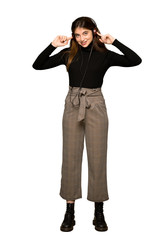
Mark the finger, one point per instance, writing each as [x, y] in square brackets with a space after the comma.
[68, 38]
[100, 40]
[99, 34]
[61, 38]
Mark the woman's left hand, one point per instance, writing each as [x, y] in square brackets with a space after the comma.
[107, 38]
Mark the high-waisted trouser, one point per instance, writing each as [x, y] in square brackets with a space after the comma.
[85, 115]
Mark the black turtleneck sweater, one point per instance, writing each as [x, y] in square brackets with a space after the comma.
[99, 63]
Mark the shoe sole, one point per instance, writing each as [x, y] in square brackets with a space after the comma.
[68, 229]
[98, 228]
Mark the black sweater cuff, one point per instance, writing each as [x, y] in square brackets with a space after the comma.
[52, 47]
[115, 42]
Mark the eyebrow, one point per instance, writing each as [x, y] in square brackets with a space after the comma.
[83, 32]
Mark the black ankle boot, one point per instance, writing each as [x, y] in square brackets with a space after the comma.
[68, 222]
[99, 220]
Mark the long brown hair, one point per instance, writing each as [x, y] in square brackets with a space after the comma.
[89, 23]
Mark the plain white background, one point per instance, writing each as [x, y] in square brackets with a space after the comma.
[31, 109]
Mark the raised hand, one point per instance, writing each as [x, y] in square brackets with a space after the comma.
[107, 38]
[61, 40]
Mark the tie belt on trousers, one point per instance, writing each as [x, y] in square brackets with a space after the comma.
[81, 100]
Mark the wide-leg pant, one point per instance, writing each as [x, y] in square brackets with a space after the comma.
[87, 120]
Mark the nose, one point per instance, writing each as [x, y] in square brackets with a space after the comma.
[82, 38]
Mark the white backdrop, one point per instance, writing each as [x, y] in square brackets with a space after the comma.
[31, 109]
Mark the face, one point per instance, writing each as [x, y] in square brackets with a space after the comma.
[83, 36]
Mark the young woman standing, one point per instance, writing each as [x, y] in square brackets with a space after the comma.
[85, 112]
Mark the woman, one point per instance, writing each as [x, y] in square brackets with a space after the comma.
[85, 113]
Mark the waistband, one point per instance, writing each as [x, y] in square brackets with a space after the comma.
[81, 100]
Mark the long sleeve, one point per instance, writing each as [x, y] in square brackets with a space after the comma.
[129, 59]
[45, 61]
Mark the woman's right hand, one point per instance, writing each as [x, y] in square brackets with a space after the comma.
[61, 40]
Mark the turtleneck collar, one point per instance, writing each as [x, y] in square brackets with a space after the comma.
[88, 48]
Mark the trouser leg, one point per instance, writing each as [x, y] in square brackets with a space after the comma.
[73, 144]
[96, 135]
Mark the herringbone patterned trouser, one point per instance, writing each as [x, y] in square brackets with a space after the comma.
[85, 115]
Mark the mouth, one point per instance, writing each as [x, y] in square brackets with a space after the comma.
[84, 43]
